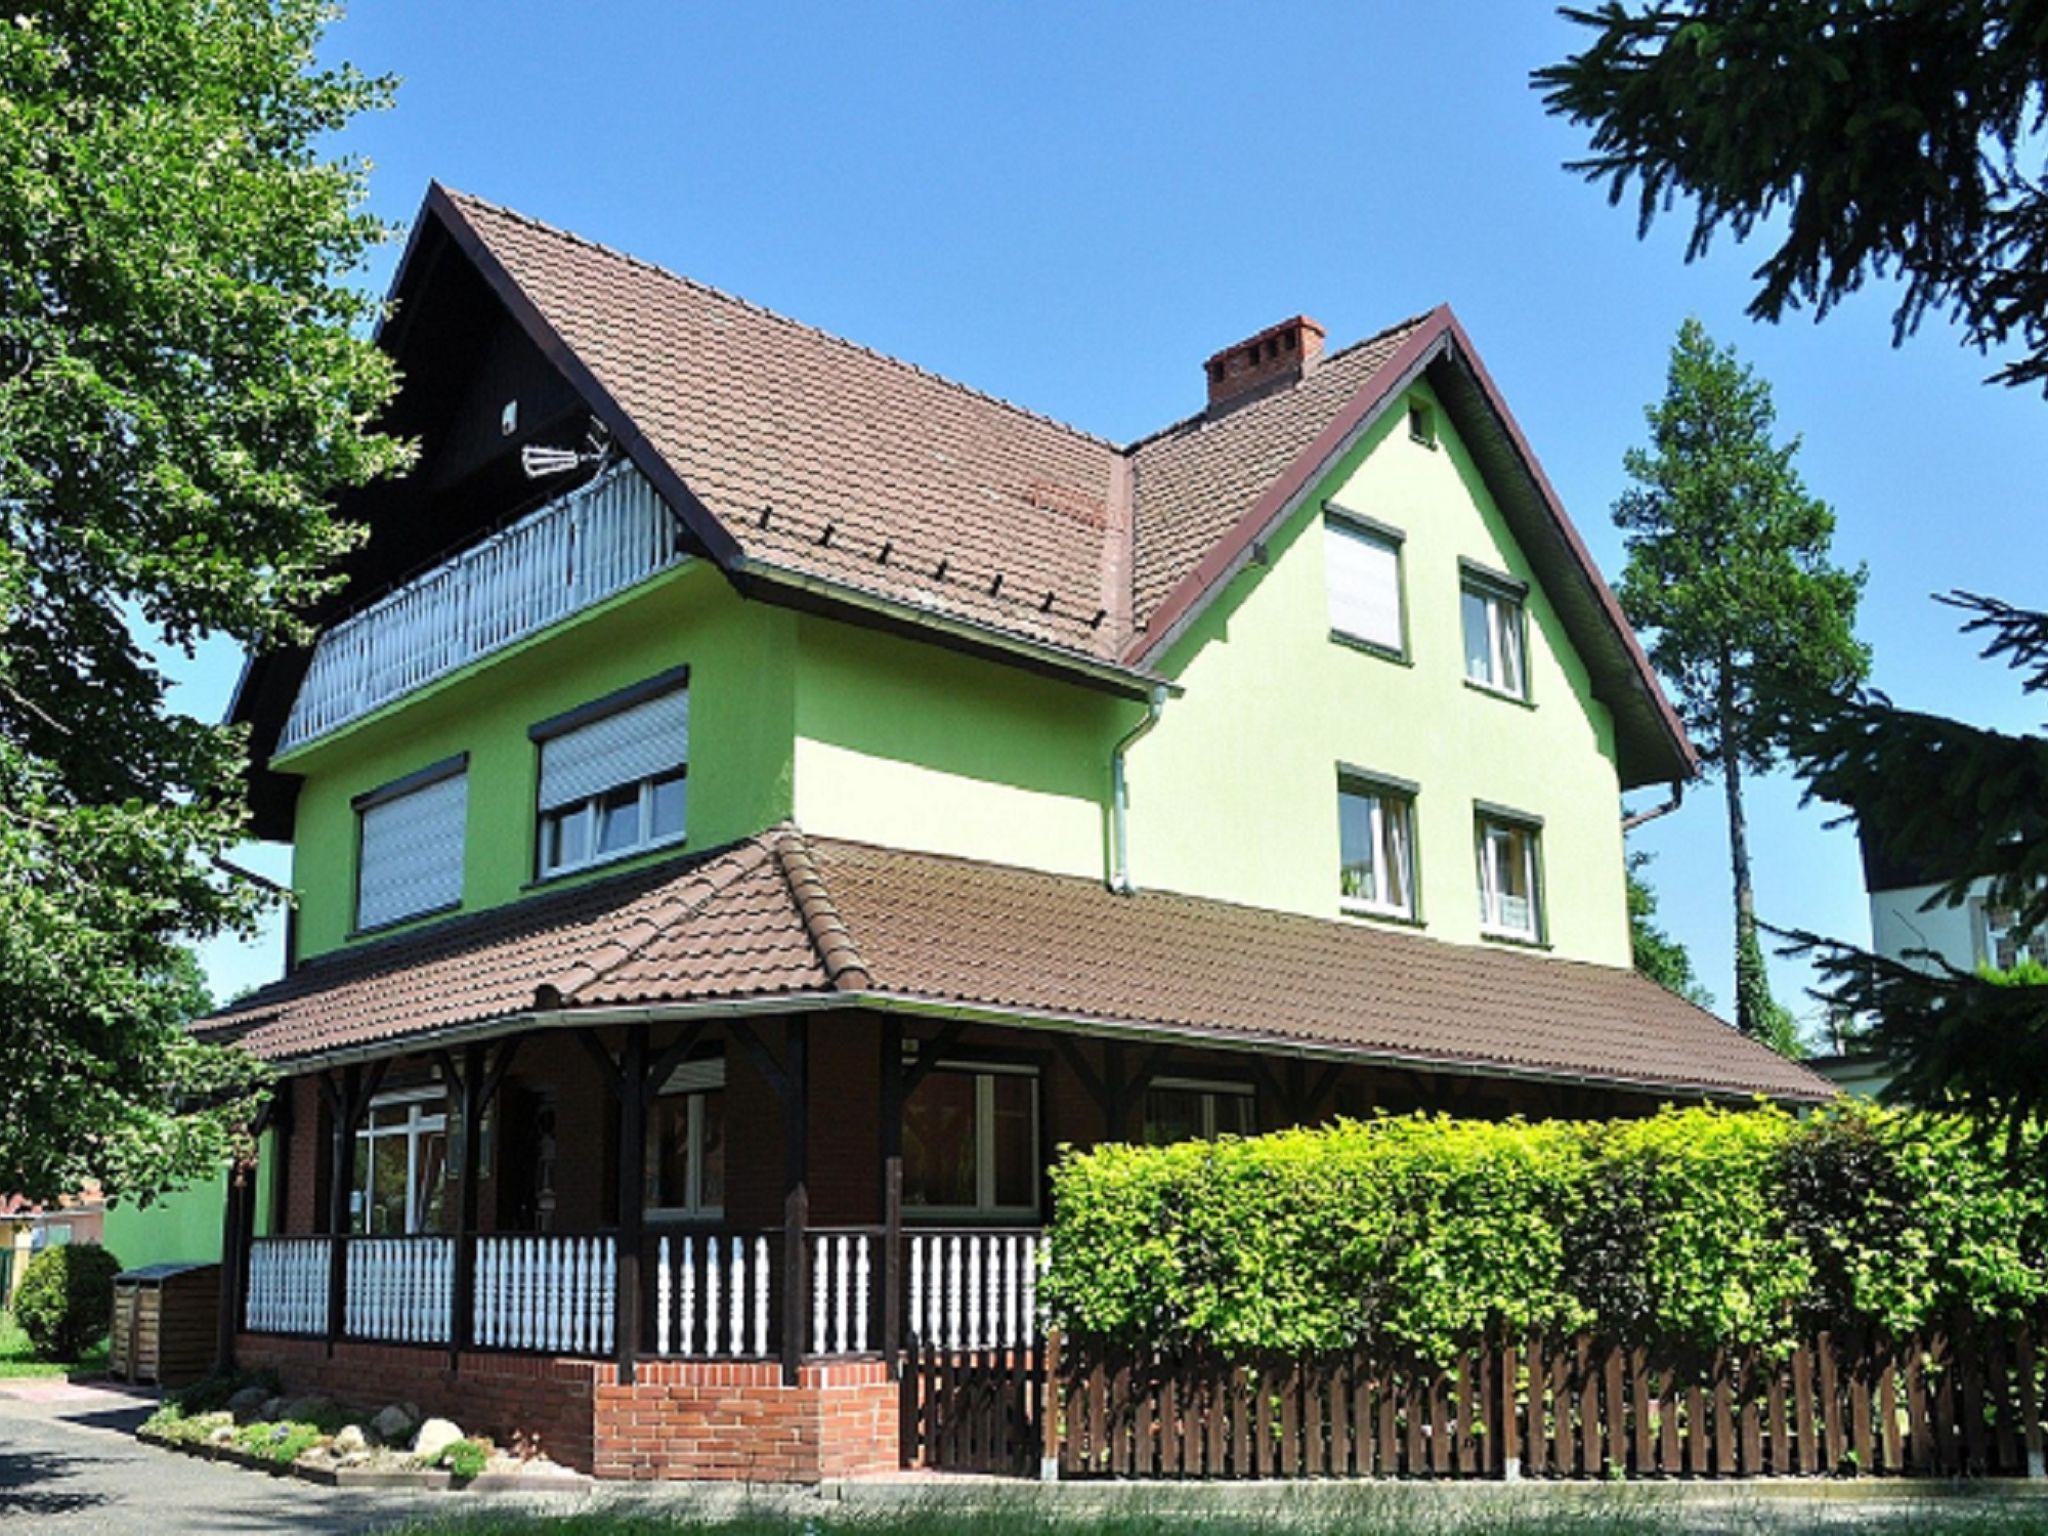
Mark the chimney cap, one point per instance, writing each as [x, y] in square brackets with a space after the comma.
[1301, 325]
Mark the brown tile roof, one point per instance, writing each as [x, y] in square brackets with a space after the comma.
[787, 914]
[986, 510]
[1193, 481]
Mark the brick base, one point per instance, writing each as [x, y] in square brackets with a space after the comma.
[678, 1418]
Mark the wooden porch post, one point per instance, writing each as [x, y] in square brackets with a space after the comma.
[892, 1192]
[233, 1223]
[344, 1105]
[632, 1197]
[467, 1091]
[796, 1196]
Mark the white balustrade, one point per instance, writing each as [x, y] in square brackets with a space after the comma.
[973, 1290]
[551, 1294]
[842, 1303]
[711, 1296]
[574, 552]
[398, 1288]
[288, 1281]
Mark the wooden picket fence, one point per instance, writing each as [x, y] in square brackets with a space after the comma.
[1958, 1404]
[974, 1410]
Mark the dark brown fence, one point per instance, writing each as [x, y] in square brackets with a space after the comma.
[973, 1410]
[1965, 1403]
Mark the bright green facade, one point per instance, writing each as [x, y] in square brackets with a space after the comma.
[884, 737]
[184, 1227]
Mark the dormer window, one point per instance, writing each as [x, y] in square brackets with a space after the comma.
[614, 776]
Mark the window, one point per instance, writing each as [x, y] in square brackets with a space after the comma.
[409, 845]
[1998, 939]
[1181, 1109]
[1509, 902]
[1376, 840]
[401, 1172]
[686, 1141]
[614, 776]
[970, 1142]
[1494, 649]
[1362, 567]
[1422, 424]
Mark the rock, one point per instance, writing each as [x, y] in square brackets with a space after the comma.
[393, 1425]
[221, 1434]
[351, 1440]
[308, 1409]
[435, 1436]
[245, 1404]
[272, 1409]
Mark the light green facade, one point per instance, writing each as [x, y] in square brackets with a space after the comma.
[742, 668]
[892, 739]
[183, 1227]
[1234, 794]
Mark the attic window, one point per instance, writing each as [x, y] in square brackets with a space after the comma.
[1422, 424]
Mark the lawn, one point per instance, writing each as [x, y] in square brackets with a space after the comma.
[17, 1359]
[1398, 1512]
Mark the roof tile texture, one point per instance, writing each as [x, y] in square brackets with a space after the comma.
[755, 921]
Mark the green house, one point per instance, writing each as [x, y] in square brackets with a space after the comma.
[755, 800]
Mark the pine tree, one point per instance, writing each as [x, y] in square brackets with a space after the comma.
[1729, 573]
[1924, 788]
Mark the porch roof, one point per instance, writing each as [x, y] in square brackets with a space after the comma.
[788, 919]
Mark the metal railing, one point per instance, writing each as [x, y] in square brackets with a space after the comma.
[574, 552]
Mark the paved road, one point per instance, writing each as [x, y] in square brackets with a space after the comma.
[69, 1465]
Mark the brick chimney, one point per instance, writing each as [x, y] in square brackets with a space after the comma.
[1274, 358]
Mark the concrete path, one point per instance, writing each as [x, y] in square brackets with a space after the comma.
[69, 1465]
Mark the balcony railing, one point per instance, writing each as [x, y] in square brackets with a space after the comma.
[574, 552]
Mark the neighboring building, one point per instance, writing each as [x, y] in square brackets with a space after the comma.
[1912, 923]
[755, 796]
[27, 1228]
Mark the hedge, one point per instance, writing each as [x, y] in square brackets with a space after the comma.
[1693, 1228]
[66, 1299]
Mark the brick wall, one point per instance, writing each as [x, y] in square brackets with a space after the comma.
[678, 1419]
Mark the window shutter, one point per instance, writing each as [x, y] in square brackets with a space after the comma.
[411, 858]
[634, 744]
[1365, 584]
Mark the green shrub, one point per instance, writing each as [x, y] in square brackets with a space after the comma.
[66, 1298]
[281, 1444]
[1692, 1228]
[212, 1392]
[465, 1458]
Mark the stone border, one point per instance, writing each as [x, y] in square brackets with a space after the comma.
[426, 1479]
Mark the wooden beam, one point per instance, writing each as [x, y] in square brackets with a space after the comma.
[607, 1068]
[778, 1077]
[1069, 1051]
[891, 1137]
[632, 1198]
[796, 1198]
[665, 1064]
[471, 1077]
[929, 1052]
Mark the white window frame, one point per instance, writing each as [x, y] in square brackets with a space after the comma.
[1341, 524]
[586, 810]
[694, 1207]
[984, 1074]
[1987, 936]
[1507, 628]
[417, 1126]
[1380, 792]
[1489, 825]
[1211, 1089]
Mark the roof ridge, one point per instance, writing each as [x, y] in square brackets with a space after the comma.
[698, 888]
[728, 297]
[827, 930]
[1202, 418]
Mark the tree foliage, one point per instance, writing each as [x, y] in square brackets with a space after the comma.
[1870, 140]
[1658, 955]
[185, 380]
[1698, 1228]
[1729, 572]
[1934, 792]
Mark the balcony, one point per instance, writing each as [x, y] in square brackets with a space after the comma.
[574, 552]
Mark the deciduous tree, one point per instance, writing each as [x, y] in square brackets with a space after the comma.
[185, 381]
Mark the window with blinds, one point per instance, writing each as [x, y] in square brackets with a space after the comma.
[1363, 567]
[613, 778]
[410, 856]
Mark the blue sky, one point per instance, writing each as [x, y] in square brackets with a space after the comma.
[1073, 206]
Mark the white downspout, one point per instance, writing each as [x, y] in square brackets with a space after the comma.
[1120, 797]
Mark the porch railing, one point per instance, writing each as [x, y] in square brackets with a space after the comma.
[288, 1283]
[399, 1288]
[705, 1294]
[574, 552]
